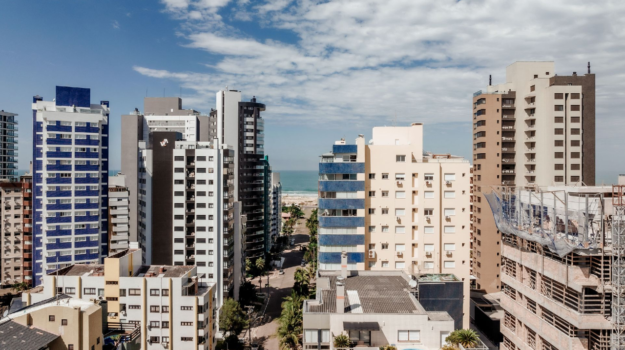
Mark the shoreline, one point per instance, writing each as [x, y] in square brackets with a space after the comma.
[302, 199]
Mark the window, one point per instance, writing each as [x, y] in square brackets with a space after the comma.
[70, 346]
[165, 292]
[558, 143]
[384, 176]
[575, 119]
[155, 324]
[165, 309]
[575, 166]
[400, 177]
[400, 212]
[558, 120]
[450, 212]
[400, 265]
[384, 228]
[400, 247]
[89, 291]
[428, 264]
[186, 338]
[558, 96]
[311, 336]
[429, 177]
[559, 155]
[559, 167]
[428, 229]
[400, 194]
[400, 229]
[134, 291]
[450, 229]
[428, 247]
[575, 155]
[155, 308]
[384, 193]
[558, 178]
[371, 193]
[429, 194]
[450, 247]
[371, 211]
[428, 211]
[400, 158]
[558, 108]
[165, 324]
[575, 131]
[51, 318]
[384, 211]
[450, 194]
[450, 177]
[575, 108]
[186, 308]
[154, 292]
[70, 290]
[186, 324]
[574, 178]
[408, 336]
[559, 131]
[372, 229]
[371, 176]
[384, 263]
[450, 264]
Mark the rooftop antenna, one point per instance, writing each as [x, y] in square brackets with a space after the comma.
[490, 80]
[589, 67]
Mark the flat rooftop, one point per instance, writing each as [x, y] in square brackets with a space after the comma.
[144, 271]
[437, 277]
[383, 294]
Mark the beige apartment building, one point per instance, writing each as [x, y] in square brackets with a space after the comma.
[16, 255]
[536, 129]
[390, 206]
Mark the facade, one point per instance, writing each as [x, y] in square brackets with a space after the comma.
[275, 218]
[559, 272]
[118, 214]
[240, 124]
[8, 146]
[73, 323]
[16, 255]
[393, 315]
[538, 128]
[389, 206]
[70, 153]
[183, 182]
[173, 306]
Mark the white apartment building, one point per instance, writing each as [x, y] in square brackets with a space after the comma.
[275, 198]
[391, 206]
[70, 180]
[119, 197]
[173, 306]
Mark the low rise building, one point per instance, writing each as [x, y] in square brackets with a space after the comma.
[173, 306]
[378, 308]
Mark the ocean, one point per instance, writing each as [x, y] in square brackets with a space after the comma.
[294, 183]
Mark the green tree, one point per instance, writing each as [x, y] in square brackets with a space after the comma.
[301, 282]
[19, 287]
[247, 293]
[465, 337]
[232, 318]
[248, 265]
[260, 265]
[290, 327]
[341, 341]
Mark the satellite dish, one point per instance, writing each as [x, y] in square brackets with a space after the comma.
[412, 283]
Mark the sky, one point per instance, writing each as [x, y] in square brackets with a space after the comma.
[325, 69]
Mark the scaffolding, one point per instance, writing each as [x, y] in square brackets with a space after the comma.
[617, 339]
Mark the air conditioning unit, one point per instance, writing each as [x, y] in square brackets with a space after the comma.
[448, 183]
[371, 253]
[428, 253]
[427, 218]
[449, 252]
[447, 217]
[429, 183]
[398, 218]
[399, 253]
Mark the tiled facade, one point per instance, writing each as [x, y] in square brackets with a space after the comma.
[16, 253]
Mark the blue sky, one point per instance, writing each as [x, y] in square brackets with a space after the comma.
[325, 69]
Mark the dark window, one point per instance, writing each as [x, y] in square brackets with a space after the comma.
[122, 292]
[70, 290]
[201, 158]
[179, 193]
[178, 228]
[559, 155]
[165, 324]
[51, 318]
[154, 308]
[574, 119]
[559, 119]
[179, 158]
[558, 179]
[575, 166]
[134, 291]
[179, 170]
[178, 252]
[179, 217]
[70, 346]
[575, 143]
[558, 96]
[575, 155]
[154, 339]
[201, 170]
[63, 322]
[89, 291]
[558, 108]
[97, 340]
[165, 309]
[559, 166]
[533, 88]
[575, 108]
[559, 131]
[575, 131]
[575, 96]
[165, 292]
[559, 143]
[574, 178]
[178, 240]
[154, 292]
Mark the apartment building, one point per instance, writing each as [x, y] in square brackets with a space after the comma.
[70, 153]
[62, 323]
[8, 145]
[537, 128]
[561, 279]
[390, 206]
[16, 255]
[173, 306]
[241, 125]
[275, 198]
[406, 311]
[118, 214]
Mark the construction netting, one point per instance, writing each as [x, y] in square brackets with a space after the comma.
[563, 219]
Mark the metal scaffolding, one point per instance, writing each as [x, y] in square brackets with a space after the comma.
[618, 268]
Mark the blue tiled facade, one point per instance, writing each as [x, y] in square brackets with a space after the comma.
[351, 209]
[55, 169]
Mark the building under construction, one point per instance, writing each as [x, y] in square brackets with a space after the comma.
[562, 267]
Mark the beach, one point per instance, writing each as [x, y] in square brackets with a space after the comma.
[303, 200]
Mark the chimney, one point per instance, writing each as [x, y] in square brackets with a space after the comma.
[344, 265]
[588, 67]
[340, 295]
[574, 74]
[161, 270]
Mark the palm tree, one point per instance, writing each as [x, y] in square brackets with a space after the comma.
[19, 287]
[341, 341]
[468, 338]
[290, 327]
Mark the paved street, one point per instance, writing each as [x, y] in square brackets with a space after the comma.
[280, 286]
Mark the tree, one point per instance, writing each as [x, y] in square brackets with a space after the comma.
[290, 327]
[260, 265]
[248, 265]
[341, 341]
[19, 287]
[468, 338]
[247, 293]
[301, 282]
[232, 318]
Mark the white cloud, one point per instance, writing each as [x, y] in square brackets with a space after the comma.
[115, 24]
[361, 62]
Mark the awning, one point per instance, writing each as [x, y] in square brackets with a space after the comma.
[361, 326]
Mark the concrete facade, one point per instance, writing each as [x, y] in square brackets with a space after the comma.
[119, 219]
[16, 254]
[535, 129]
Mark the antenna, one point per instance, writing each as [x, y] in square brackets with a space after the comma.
[588, 67]
[490, 80]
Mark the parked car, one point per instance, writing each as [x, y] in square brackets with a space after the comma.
[281, 272]
[303, 263]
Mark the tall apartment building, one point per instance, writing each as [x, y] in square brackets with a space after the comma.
[390, 206]
[16, 254]
[538, 128]
[8, 145]
[275, 198]
[240, 124]
[118, 214]
[70, 153]
[173, 305]
[561, 266]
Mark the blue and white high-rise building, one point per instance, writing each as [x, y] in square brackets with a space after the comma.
[70, 195]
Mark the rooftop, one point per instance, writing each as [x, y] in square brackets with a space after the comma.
[144, 271]
[15, 336]
[384, 294]
[437, 277]
[62, 300]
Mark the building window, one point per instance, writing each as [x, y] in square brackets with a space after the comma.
[155, 324]
[400, 158]
[558, 143]
[371, 193]
[575, 108]
[559, 119]
[575, 155]
[154, 308]
[165, 292]
[186, 324]
[429, 194]
[559, 155]
[559, 131]
[400, 194]
[384, 211]
[400, 229]
[371, 176]
[384, 263]
[558, 96]
[574, 178]
[450, 264]
[428, 229]
[89, 291]
[70, 346]
[51, 318]
[428, 211]
[575, 131]
[575, 143]
[186, 308]
[371, 229]
[408, 335]
[134, 291]
[384, 176]
[400, 264]
[70, 290]
[559, 167]
[153, 340]
[575, 166]
[400, 212]
[558, 178]
[558, 108]
[371, 211]
[186, 338]
[450, 194]
[450, 177]
[575, 119]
